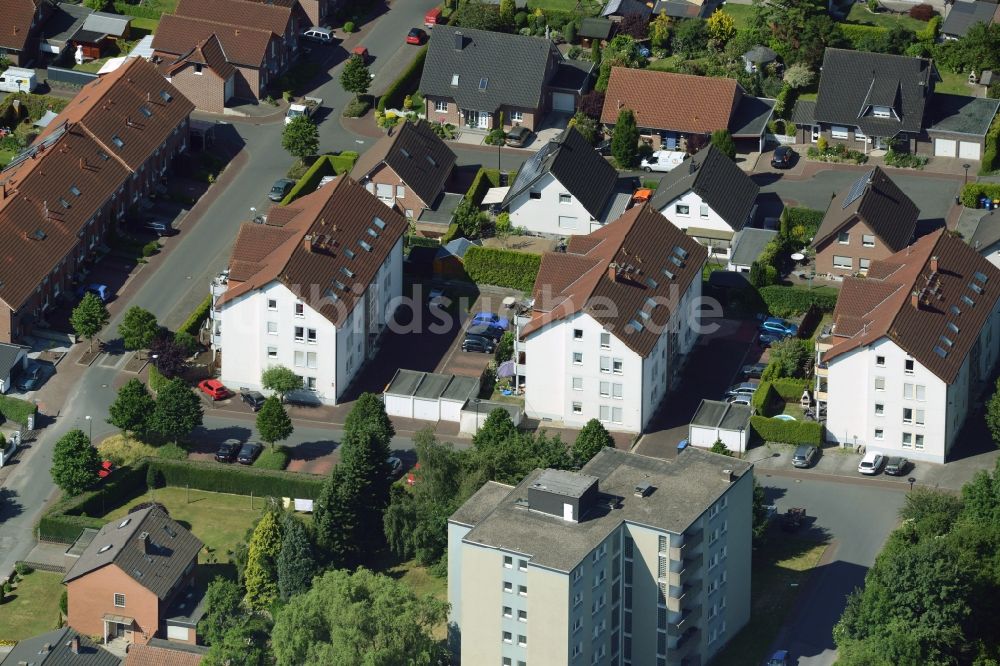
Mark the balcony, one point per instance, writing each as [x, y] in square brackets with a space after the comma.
[681, 596]
[822, 370]
[686, 643]
[688, 620]
[676, 578]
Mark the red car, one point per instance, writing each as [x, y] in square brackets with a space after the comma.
[416, 36]
[214, 389]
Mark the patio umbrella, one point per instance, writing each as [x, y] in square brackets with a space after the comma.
[506, 369]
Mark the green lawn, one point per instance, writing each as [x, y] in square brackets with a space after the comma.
[860, 14]
[740, 13]
[143, 26]
[566, 5]
[5, 157]
[91, 66]
[781, 566]
[422, 582]
[955, 84]
[32, 608]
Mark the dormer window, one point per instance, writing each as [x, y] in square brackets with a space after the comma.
[881, 111]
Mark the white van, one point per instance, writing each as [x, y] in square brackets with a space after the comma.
[18, 79]
[321, 35]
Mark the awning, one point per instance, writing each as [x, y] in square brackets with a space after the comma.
[111, 65]
[495, 195]
[46, 119]
[118, 619]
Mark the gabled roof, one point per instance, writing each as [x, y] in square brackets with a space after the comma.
[955, 298]
[987, 233]
[749, 243]
[17, 18]
[254, 15]
[717, 180]
[327, 252]
[64, 22]
[111, 25]
[9, 356]
[162, 653]
[576, 165]
[457, 248]
[169, 549]
[243, 46]
[595, 28]
[722, 415]
[964, 15]
[879, 202]
[489, 69]
[208, 52]
[419, 157]
[852, 82]
[654, 263]
[53, 649]
[668, 101]
[626, 7]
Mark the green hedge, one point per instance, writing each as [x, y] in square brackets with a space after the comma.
[484, 180]
[452, 233]
[858, 35]
[272, 458]
[16, 410]
[156, 380]
[788, 432]
[344, 162]
[789, 388]
[194, 322]
[308, 182]
[790, 301]
[992, 147]
[405, 84]
[764, 399]
[69, 517]
[137, 10]
[972, 191]
[503, 268]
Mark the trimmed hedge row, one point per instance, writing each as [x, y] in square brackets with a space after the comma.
[309, 180]
[195, 320]
[992, 147]
[484, 180]
[404, 84]
[859, 35]
[972, 191]
[502, 268]
[16, 410]
[764, 398]
[790, 301]
[787, 432]
[70, 516]
[344, 162]
[789, 388]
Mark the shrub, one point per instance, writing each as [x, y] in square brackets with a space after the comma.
[905, 160]
[451, 234]
[406, 83]
[156, 380]
[273, 458]
[22, 569]
[972, 191]
[929, 33]
[68, 518]
[992, 147]
[16, 410]
[154, 478]
[790, 301]
[836, 153]
[348, 27]
[310, 179]
[171, 451]
[787, 432]
[764, 399]
[922, 12]
[195, 320]
[150, 248]
[503, 268]
[791, 389]
[484, 180]
[357, 108]
[784, 102]
[125, 452]
[186, 342]
[238, 479]
[343, 162]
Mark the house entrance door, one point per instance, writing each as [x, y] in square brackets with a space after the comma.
[484, 120]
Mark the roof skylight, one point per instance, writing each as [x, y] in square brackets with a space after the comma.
[104, 549]
[117, 140]
[144, 110]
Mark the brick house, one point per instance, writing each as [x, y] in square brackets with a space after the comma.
[21, 26]
[61, 647]
[472, 78]
[129, 575]
[315, 11]
[407, 170]
[203, 73]
[107, 149]
[866, 222]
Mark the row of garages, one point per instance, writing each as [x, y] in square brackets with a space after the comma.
[430, 396]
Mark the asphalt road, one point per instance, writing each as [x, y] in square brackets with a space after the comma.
[857, 518]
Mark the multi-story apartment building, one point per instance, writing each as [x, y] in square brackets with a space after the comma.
[312, 290]
[613, 320]
[630, 561]
[912, 348]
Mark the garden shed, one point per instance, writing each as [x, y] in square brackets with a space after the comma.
[717, 420]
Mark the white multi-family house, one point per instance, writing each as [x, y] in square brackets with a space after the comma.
[566, 188]
[613, 320]
[710, 198]
[312, 289]
[911, 350]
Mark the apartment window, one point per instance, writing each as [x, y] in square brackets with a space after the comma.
[272, 352]
[578, 383]
[272, 328]
[921, 392]
[880, 361]
[606, 364]
[441, 106]
[522, 590]
[605, 341]
[119, 600]
[310, 383]
[522, 640]
[578, 408]
[272, 304]
[578, 334]
[682, 209]
[918, 442]
[506, 661]
[311, 360]
[616, 391]
[907, 415]
[508, 637]
[565, 199]
[534, 195]
[703, 211]
[868, 240]
[616, 366]
[300, 334]
[300, 310]
[908, 366]
[300, 359]
[577, 600]
[311, 336]
[918, 417]
[516, 116]
[907, 440]
[879, 434]
[864, 264]
[522, 565]
[879, 409]
[838, 131]
[508, 611]
[605, 389]
[605, 413]
[844, 238]
[616, 414]
[577, 575]
[508, 586]
[508, 562]
[845, 263]
[908, 391]
[880, 383]
[577, 358]
[522, 616]
[400, 191]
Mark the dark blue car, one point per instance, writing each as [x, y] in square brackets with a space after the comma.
[99, 290]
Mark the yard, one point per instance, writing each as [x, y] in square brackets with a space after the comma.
[5, 157]
[143, 26]
[740, 13]
[860, 14]
[590, 7]
[955, 84]
[781, 566]
[32, 608]
[421, 582]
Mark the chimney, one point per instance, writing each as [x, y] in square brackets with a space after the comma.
[307, 243]
[934, 264]
[74, 645]
[613, 271]
[83, 163]
[143, 542]
[915, 299]
[459, 41]
[46, 648]
[728, 475]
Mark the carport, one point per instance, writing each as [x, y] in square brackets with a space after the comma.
[428, 396]
[13, 360]
[717, 420]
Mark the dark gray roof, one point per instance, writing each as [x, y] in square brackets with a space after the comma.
[595, 28]
[572, 75]
[171, 549]
[722, 415]
[431, 385]
[960, 114]
[852, 82]
[717, 180]
[404, 382]
[683, 489]
[987, 232]
[684, 8]
[621, 197]
[442, 211]
[760, 55]
[9, 356]
[748, 244]
[877, 200]
[576, 165]
[64, 22]
[457, 248]
[189, 606]
[58, 653]
[493, 68]
[804, 112]
[624, 7]
[963, 15]
[751, 116]
[461, 388]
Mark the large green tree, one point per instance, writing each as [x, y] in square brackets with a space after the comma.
[590, 440]
[244, 644]
[300, 137]
[507, 10]
[75, 462]
[355, 77]
[138, 328]
[480, 16]
[223, 611]
[89, 317]
[723, 141]
[260, 578]
[296, 562]
[178, 411]
[132, 408]
[993, 414]
[273, 423]
[358, 618]
[625, 140]
[281, 380]
[336, 521]
[798, 30]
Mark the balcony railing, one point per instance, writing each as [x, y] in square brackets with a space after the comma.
[681, 596]
[822, 370]
[688, 621]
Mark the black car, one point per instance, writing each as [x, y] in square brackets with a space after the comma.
[478, 344]
[805, 456]
[485, 330]
[280, 188]
[604, 148]
[783, 157]
[31, 378]
[753, 371]
[248, 453]
[228, 450]
[518, 136]
[254, 399]
[896, 466]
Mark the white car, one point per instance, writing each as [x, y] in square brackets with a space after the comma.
[663, 160]
[872, 463]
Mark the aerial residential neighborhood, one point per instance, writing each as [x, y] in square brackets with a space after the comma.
[518, 332]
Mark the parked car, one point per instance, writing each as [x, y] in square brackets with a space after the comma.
[214, 389]
[395, 467]
[486, 331]
[416, 36]
[872, 463]
[753, 371]
[158, 227]
[778, 326]
[280, 188]
[320, 35]
[779, 658]
[482, 344]
[435, 298]
[490, 319]
[741, 399]
[783, 157]
[896, 466]
[747, 388]
[604, 148]
[805, 456]
[99, 290]
[254, 399]
[31, 378]
[663, 160]
[228, 451]
[248, 453]
[767, 339]
[518, 136]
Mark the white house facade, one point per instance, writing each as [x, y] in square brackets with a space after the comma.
[694, 215]
[549, 208]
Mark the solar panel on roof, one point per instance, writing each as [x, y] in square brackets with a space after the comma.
[858, 188]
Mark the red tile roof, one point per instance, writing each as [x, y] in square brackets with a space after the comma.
[208, 52]
[254, 15]
[16, 23]
[667, 101]
[961, 293]
[243, 46]
[159, 655]
[327, 254]
[653, 261]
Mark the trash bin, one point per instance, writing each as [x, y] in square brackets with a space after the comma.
[981, 202]
[683, 445]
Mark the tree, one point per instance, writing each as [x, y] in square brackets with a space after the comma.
[689, 38]
[261, 574]
[178, 411]
[364, 455]
[625, 140]
[246, 644]
[798, 76]
[585, 125]
[222, 610]
[507, 10]
[75, 462]
[723, 140]
[634, 25]
[355, 77]
[718, 446]
[132, 408]
[273, 423]
[281, 380]
[591, 105]
[591, 439]
[480, 16]
[300, 137]
[595, 52]
[506, 455]
[721, 26]
[758, 275]
[505, 347]
[469, 218]
[296, 563]
[759, 511]
[503, 228]
[138, 328]
[788, 358]
[659, 31]
[368, 413]
[993, 414]
[358, 618]
[335, 518]
[797, 30]
[89, 317]
[96, 5]
[167, 356]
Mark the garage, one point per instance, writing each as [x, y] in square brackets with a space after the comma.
[427, 409]
[428, 396]
[564, 102]
[968, 150]
[945, 148]
[717, 420]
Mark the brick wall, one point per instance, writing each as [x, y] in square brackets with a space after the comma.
[854, 249]
[92, 596]
[530, 118]
[383, 175]
[452, 115]
[207, 90]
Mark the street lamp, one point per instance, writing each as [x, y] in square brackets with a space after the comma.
[966, 167]
[90, 428]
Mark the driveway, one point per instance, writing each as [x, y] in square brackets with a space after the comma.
[857, 517]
